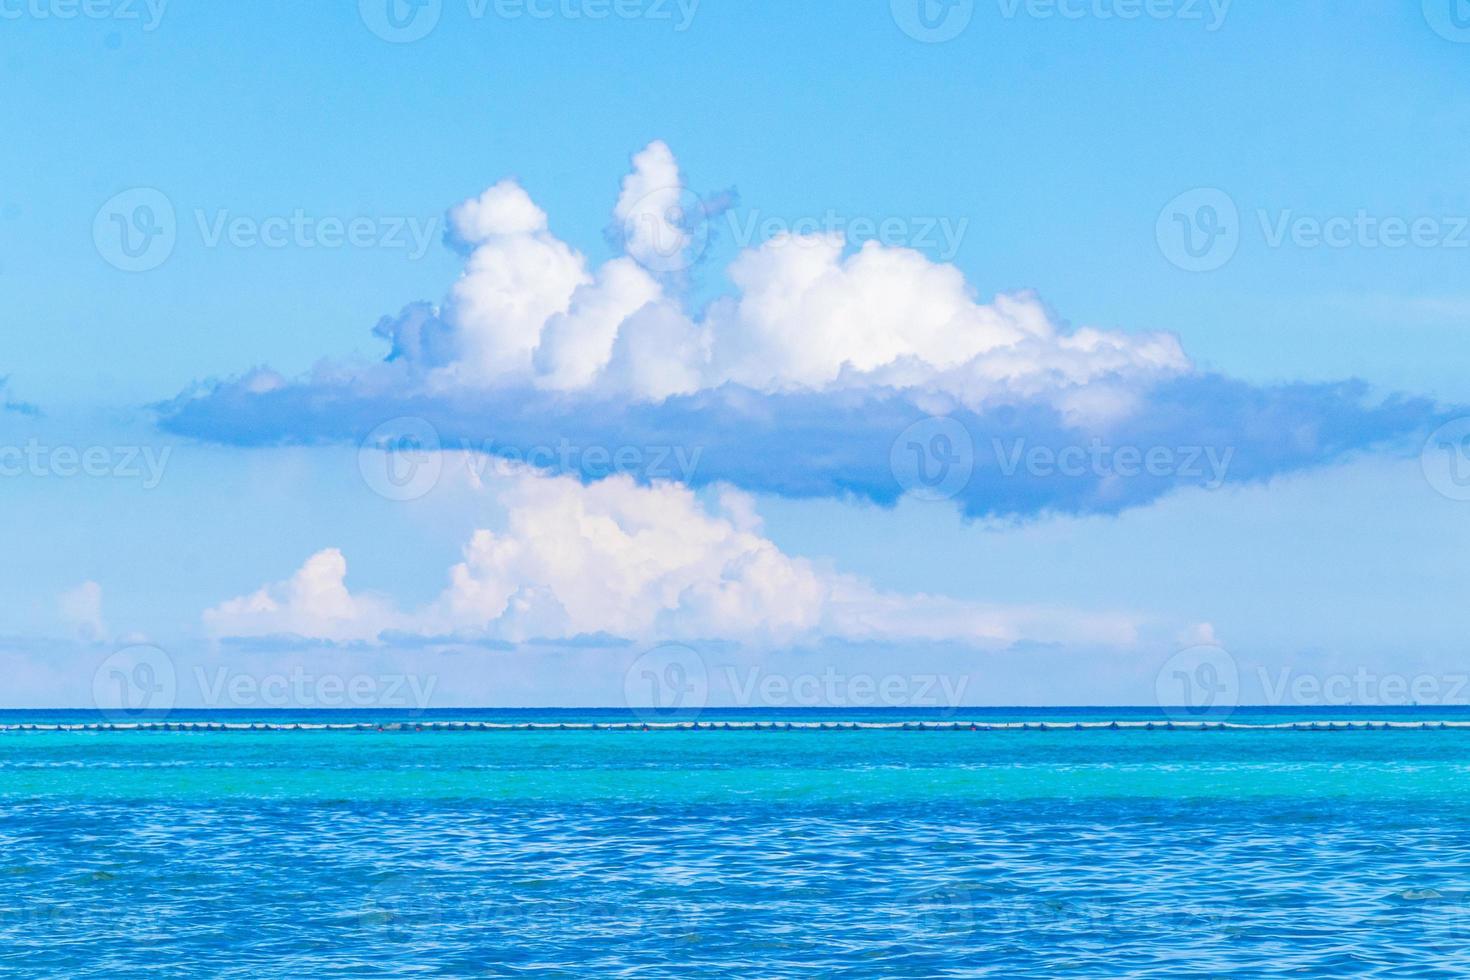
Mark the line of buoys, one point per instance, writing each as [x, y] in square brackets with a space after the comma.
[703, 726]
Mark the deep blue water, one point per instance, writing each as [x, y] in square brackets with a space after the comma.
[1098, 853]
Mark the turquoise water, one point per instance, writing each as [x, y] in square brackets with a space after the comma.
[1259, 852]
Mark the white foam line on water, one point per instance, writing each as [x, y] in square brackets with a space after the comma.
[649, 726]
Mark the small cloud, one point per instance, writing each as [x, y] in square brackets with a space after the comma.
[81, 608]
[1199, 635]
[10, 404]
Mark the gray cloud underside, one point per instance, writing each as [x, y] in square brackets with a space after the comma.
[839, 444]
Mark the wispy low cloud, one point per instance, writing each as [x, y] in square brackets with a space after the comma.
[601, 564]
[10, 404]
[834, 369]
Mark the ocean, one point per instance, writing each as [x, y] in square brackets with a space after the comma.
[973, 843]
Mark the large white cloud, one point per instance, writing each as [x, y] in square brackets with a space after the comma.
[810, 313]
[645, 563]
[799, 382]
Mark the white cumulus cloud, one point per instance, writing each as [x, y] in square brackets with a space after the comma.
[646, 563]
[810, 313]
[315, 602]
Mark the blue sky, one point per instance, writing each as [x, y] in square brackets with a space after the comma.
[1040, 153]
